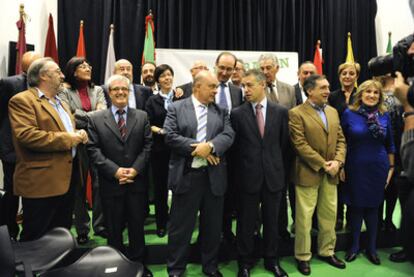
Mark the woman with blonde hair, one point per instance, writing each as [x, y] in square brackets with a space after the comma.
[369, 163]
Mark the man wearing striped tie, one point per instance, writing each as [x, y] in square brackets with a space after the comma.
[119, 146]
[199, 133]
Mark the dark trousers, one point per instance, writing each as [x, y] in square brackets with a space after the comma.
[406, 196]
[82, 218]
[390, 195]
[340, 213]
[128, 209]
[159, 163]
[10, 202]
[230, 198]
[247, 216]
[183, 215]
[43, 214]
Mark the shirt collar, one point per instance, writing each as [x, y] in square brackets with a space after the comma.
[114, 109]
[41, 94]
[317, 107]
[197, 103]
[263, 103]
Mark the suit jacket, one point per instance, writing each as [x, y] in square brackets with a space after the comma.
[71, 97]
[314, 144]
[108, 151]
[236, 95]
[43, 146]
[187, 89]
[337, 100]
[260, 159]
[298, 94]
[286, 95]
[9, 87]
[181, 131]
[142, 94]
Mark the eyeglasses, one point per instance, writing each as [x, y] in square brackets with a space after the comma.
[119, 89]
[227, 69]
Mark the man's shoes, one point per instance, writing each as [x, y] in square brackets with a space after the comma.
[303, 267]
[373, 258]
[161, 232]
[82, 239]
[398, 257]
[350, 257]
[333, 261]
[277, 270]
[147, 272]
[213, 274]
[243, 272]
[102, 233]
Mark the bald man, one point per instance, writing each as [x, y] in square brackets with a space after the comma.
[9, 87]
[306, 69]
[197, 66]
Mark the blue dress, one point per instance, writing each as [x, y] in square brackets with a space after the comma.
[367, 164]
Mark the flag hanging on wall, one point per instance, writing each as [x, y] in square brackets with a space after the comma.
[148, 55]
[50, 45]
[389, 45]
[110, 55]
[317, 58]
[81, 52]
[350, 52]
[21, 41]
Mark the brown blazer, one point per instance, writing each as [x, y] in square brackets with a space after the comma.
[314, 144]
[43, 147]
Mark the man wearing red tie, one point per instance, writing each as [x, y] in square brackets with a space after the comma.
[262, 134]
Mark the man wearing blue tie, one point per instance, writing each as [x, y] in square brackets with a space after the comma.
[198, 131]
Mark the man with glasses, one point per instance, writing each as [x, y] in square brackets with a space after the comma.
[45, 141]
[187, 88]
[238, 74]
[119, 146]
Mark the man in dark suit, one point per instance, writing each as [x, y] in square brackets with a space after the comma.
[147, 75]
[138, 95]
[199, 133]
[45, 140]
[262, 135]
[228, 96]
[187, 88]
[9, 87]
[306, 69]
[119, 146]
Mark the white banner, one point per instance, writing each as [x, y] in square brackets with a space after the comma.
[181, 61]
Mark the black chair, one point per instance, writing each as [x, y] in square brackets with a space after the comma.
[100, 261]
[7, 259]
[45, 252]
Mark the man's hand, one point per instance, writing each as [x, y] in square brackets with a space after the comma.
[155, 129]
[178, 93]
[401, 88]
[332, 168]
[202, 149]
[213, 160]
[76, 138]
[121, 175]
[82, 133]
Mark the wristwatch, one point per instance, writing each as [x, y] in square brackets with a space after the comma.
[211, 146]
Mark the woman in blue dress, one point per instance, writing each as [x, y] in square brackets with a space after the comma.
[369, 163]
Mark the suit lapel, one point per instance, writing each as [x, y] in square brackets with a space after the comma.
[269, 119]
[92, 98]
[314, 115]
[44, 102]
[191, 117]
[251, 118]
[109, 120]
[131, 122]
[138, 97]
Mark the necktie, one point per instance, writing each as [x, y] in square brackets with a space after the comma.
[260, 119]
[121, 123]
[202, 124]
[272, 93]
[223, 99]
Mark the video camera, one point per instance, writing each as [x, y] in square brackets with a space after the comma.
[397, 61]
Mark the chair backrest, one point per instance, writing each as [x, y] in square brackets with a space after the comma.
[102, 261]
[45, 252]
[7, 267]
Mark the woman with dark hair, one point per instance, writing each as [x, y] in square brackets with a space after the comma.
[84, 97]
[369, 163]
[156, 107]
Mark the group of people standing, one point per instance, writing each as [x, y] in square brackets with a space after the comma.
[222, 147]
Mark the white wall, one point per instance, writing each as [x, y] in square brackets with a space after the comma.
[36, 26]
[392, 16]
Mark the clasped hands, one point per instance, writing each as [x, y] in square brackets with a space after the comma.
[125, 175]
[332, 167]
[203, 150]
[80, 136]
